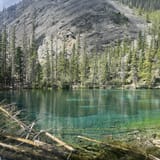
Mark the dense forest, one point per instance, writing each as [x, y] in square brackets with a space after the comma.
[127, 63]
[143, 4]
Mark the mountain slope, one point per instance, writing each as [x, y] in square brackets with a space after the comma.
[101, 22]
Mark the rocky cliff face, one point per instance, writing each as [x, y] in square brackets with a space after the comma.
[100, 21]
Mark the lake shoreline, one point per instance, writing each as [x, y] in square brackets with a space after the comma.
[67, 87]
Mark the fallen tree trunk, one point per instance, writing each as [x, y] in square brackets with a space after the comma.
[21, 124]
[153, 157]
[55, 139]
[26, 152]
[34, 143]
[21, 146]
[119, 151]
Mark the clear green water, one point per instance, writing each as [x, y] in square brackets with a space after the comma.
[94, 113]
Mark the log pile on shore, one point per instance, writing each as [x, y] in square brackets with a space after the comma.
[19, 140]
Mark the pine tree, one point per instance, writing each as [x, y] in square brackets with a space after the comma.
[19, 65]
[146, 72]
[1, 57]
[124, 60]
[56, 61]
[77, 55]
[118, 57]
[4, 56]
[141, 50]
[84, 64]
[47, 67]
[108, 64]
[73, 65]
[52, 61]
[94, 69]
[25, 53]
[63, 66]
[33, 57]
[134, 66]
[13, 54]
[103, 68]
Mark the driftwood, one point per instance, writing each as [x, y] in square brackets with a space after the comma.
[11, 147]
[153, 157]
[27, 152]
[55, 139]
[34, 143]
[30, 130]
[21, 124]
[118, 150]
[156, 143]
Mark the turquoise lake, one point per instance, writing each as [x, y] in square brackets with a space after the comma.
[93, 113]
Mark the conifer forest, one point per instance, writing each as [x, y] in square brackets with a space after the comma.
[126, 62]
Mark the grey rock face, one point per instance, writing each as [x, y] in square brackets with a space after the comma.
[100, 21]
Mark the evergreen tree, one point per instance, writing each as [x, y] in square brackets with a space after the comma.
[13, 55]
[73, 65]
[33, 58]
[103, 68]
[141, 50]
[108, 64]
[1, 57]
[19, 65]
[56, 60]
[94, 69]
[47, 67]
[63, 66]
[77, 56]
[25, 54]
[4, 56]
[146, 72]
[134, 67]
[84, 64]
[52, 57]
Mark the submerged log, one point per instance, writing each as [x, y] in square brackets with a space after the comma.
[89, 139]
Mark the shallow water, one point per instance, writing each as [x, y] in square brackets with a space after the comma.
[93, 113]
